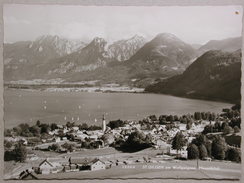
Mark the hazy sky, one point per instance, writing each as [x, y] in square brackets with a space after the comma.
[191, 24]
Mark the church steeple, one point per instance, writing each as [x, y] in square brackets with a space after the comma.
[103, 123]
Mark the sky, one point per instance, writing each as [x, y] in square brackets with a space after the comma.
[194, 25]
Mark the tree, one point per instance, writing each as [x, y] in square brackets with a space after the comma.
[227, 130]
[236, 129]
[8, 144]
[170, 118]
[192, 151]
[176, 118]
[44, 128]
[153, 118]
[25, 130]
[178, 141]
[68, 147]
[217, 127]
[38, 123]
[199, 140]
[236, 107]
[70, 136]
[85, 144]
[233, 154]
[224, 124]
[70, 125]
[218, 148]
[53, 126]
[83, 126]
[208, 145]
[54, 147]
[137, 141]
[208, 129]
[108, 138]
[197, 116]
[212, 117]
[94, 127]
[203, 153]
[17, 131]
[116, 124]
[20, 152]
[235, 122]
[162, 119]
[189, 125]
[7, 133]
[35, 130]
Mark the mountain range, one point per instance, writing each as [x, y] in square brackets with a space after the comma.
[133, 61]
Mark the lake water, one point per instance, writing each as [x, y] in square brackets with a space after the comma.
[21, 106]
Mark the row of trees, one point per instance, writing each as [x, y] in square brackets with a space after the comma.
[218, 127]
[40, 129]
[202, 147]
[66, 146]
[163, 119]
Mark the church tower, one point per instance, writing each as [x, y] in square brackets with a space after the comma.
[104, 124]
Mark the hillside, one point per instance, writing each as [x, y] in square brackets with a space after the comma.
[230, 45]
[216, 75]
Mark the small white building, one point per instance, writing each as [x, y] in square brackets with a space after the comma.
[46, 167]
[97, 165]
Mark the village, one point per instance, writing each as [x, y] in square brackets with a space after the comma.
[125, 144]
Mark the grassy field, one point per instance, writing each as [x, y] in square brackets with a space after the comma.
[174, 169]
[166, 170]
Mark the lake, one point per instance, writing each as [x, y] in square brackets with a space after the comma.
[23, 106]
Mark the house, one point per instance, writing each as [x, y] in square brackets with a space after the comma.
[87, 164]
[97, 164]
[71, 168]
[46, 167]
